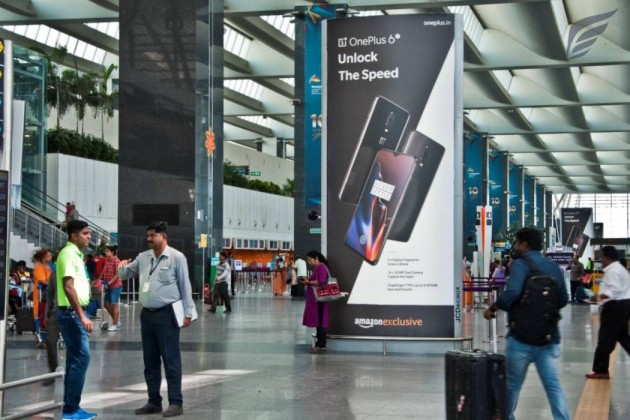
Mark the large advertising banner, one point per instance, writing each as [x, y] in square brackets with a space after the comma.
[392, 104]
[474, 154]
[577, 230]
[497, 186]
[515, 196]
[315, 15]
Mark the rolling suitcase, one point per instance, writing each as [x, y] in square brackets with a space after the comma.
[24, 320]
[475, 386]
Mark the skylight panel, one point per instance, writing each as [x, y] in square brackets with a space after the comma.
[246, 87]
[281, 23]
[235, 42]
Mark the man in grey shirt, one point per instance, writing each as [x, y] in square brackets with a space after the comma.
[575, 275]
[164, 280]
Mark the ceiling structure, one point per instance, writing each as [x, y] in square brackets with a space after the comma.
[547, 80]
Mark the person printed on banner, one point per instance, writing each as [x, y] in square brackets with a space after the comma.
[519, 353]
[614, 297]
[221, 282]
[576, 271]
[114, 286]
[164, 283]
[41, 273]
[279, 285]
[316, 313]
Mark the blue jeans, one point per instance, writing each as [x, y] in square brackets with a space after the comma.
[519, 356]
[77, 357]
[160, 344]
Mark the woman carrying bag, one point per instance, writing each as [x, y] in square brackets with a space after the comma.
[316, 313]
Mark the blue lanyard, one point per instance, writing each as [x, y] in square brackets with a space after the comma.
[153, 267]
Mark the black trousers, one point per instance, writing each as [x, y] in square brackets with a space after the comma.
[613, 328]
[221, 292]
[52, 337]
[574, 286]
[321, 331]
[160, 344]
[232, 285]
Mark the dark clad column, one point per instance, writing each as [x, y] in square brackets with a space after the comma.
[159, 126]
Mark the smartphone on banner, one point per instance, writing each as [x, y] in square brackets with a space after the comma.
[573, 235]
[428, 154]
[387, 181]
[579, 244]
[383, 129]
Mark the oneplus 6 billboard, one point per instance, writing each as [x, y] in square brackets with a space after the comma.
[392, 136]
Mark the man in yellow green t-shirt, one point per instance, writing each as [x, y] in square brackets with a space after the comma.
[73, 296]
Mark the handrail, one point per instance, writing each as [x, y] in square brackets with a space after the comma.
[54, 406]
[102, 233]
[35, 230]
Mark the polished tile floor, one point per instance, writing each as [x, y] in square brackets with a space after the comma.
[254, 364]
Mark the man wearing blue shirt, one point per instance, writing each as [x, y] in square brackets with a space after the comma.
[528, 244]
[164, 280]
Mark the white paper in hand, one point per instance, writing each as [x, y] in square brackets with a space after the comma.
[178, 310]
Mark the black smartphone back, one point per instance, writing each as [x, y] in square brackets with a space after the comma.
[383, 129]
[428, 154]
[376, 211]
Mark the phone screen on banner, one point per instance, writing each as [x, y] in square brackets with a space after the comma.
[377, 207]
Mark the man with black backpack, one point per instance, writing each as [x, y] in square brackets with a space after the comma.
[533, 296]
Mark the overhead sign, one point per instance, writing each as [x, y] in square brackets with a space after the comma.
[255, 173]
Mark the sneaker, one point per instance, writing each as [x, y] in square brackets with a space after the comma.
[149, 408]
[82, 411]
[212, 310]
[78, 415]
[173, 411]
[119, 324]
[113, 328]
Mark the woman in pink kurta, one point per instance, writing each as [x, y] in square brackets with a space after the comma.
[316, 313]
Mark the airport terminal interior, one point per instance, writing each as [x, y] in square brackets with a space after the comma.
[217, 117]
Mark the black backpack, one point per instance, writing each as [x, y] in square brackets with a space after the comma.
[534, 318]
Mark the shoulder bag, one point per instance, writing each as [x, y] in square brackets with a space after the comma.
[329, 291]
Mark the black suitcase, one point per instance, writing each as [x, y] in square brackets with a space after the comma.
[297, 290]
[475, 386]
[24, 320]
